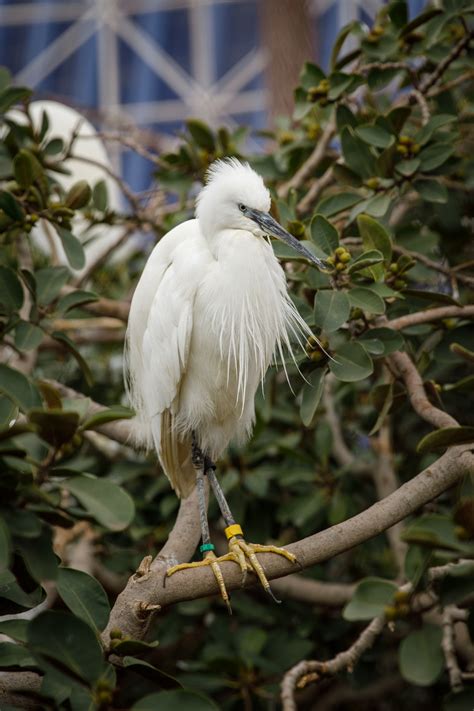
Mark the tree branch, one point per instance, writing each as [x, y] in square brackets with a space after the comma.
[309, 671]
[429, 315]
[311, 163]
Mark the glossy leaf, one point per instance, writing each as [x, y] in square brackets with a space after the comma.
[11, 290]
[175, 700]
[28, 336]
[331, 309]
[84, 596]
[100, 196]
[18, 388]
[311, 395]
[105, 501]
[38, 555]
[420, 656]
[70, 346]
[435, 155]
[357, 154]
[324, 235]
[10, 206]
[49, 282]
[201, 134]
[67, 642]
[337, 203]
[431, 190]
[75, 299]
[351, 363]
[107, 415]
[375, 135]
[445, 437]
[55, 426]
[369, 600]
[73, 248]
[375, 236]
[367, 259]
[366, 300]
[14, 655]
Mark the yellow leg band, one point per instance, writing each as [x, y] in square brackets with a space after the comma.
[232, 531]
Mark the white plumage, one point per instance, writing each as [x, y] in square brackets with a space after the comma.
[209, 313]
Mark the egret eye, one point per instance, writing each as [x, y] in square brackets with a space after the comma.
[242, 207]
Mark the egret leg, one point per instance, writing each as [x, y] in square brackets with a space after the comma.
[207, 549]
[242, 552]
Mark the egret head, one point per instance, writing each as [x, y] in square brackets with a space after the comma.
[235, 197]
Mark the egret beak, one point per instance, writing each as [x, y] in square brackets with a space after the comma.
[271, 227]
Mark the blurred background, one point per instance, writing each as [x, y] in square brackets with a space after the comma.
[145, 66]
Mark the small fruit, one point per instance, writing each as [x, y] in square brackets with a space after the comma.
[339, 251]
[344, 258]
[331, 260]
[390, 612]
[340, 267]
[401, 596]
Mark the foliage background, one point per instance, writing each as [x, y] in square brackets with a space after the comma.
[374, 171]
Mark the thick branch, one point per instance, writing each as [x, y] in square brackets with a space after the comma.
[147, 591]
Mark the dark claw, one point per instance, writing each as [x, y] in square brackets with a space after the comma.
[270, 592]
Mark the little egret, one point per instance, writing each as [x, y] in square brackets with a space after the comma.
[210, 312]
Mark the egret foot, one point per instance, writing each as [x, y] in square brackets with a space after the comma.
[244, 554]
[209, 559]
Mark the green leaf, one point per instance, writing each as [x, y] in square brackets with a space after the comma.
[431, 190]
[5, 78]
[108, 503]
[75, 299]
[84, 596]
[408, 167]
[18, 388]
[341, 38]
[70, 346]
[438, 121]
[4, 545]
[202, 134]
[324, 235]
[16, 629]
[11, 290]
[18, 599]
[420, 656]
[391, 340]
[357, 154]
[344, 117]
[73, 248]
[100, 196]
[13, 95]
[311, 395]
[14, 655]
[175, 700]
[435, 155]
[134, 646]
[38, 555]
[435, 531]
[311, 75]
[367, 259]
[366, 300]
[370, 598]
[26, 168]
[331, 309]
[67, 642]
[375, 236]
[28, 336]
[375, 135]
[337, 203]
[54, 426]
[107, 415]
[78, 195]
[49, 282]
[10, 206]
[53, 147]
[151, 672]
[445, 437]
[351, 363]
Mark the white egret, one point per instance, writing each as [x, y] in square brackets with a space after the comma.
[210, 312]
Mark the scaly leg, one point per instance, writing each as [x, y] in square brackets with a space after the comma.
[240, 551]
[207, 548]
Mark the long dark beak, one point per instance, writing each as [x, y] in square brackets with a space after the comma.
[271, 227]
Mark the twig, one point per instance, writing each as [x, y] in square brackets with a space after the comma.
[423, 104]
[309, 671]
[451, 84]
[315, 191]
[416, 392]
[311, 163]
[437, 266]
[314, 592]
[433, 78]
[129, 194]
[447, 645]
[429, 315]
[340, 450]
